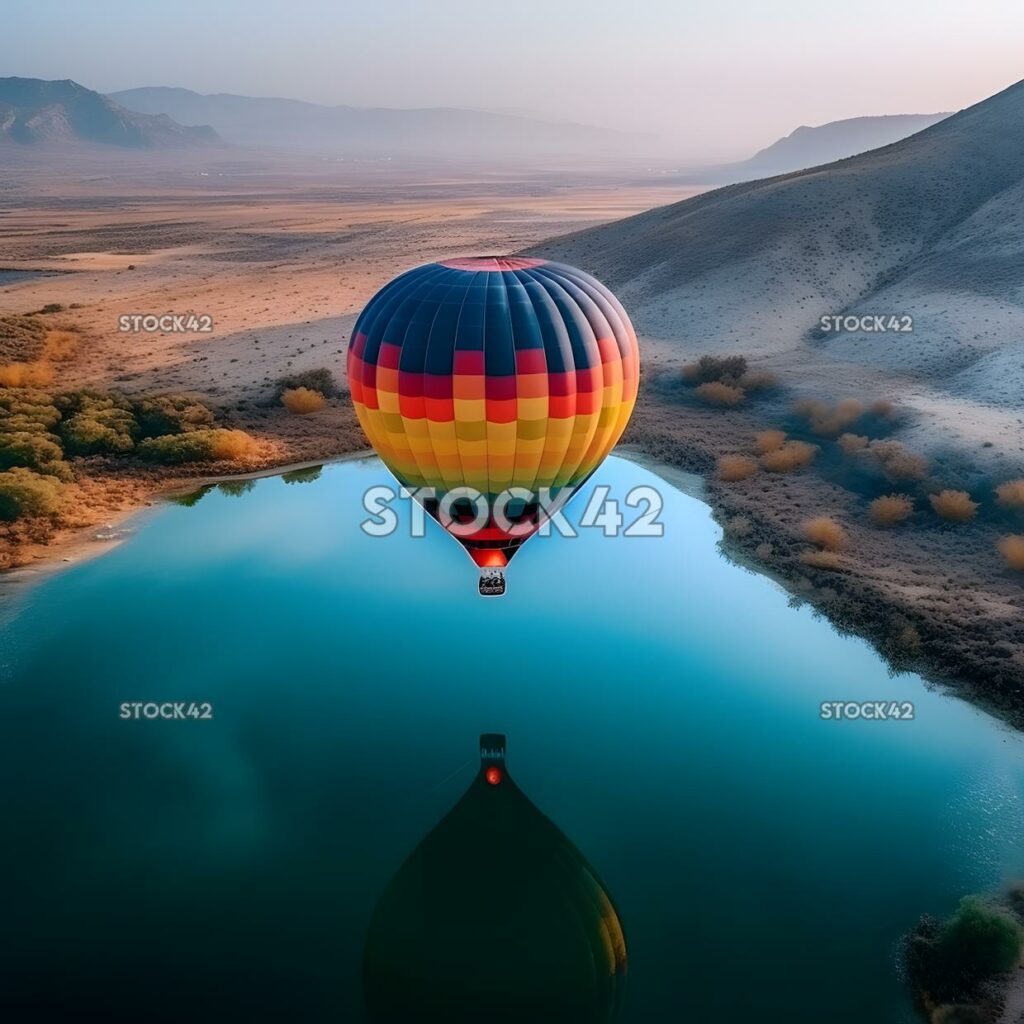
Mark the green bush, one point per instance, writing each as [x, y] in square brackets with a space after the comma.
[321, 380]
[175, 449]
[96, 424]
[302, 476]
[33, 449]
[980, 940]
[24, 493]
[235, 488]
[171, 414]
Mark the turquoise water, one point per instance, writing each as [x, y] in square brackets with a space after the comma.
[661, 704]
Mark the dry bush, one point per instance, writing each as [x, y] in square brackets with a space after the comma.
[792, 456]
[757, 382]
[897, 463]
[233, 445]
[955, 506]
[769, 440]
[1012, 549]
[826, 533]
[735, 467]
[882, 407]
[721, 395]
[852, 443]
[830, 560]
[302, 400]
[764, 551]
[721, 369]
[891, 509]
[60, 345]
[321, 380]
[26, 375]
[1011, 494]
[829, 420]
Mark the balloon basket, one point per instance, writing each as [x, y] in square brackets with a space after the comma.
[492, 583]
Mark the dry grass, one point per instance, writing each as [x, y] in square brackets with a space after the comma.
[826, 533]
[851, 443]
[792, 456]
[735, 467]
[26, 375]
[954, 506]
[891, 509]
[302, 400]
[722, 395]
[1012, 549]
[1011, 494]
[829, 420]
[233, 445]
[769, 440]
[47, 347]
[830, 560]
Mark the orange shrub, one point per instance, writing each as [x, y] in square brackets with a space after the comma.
[826, 533]
[26, 375]
[830, 560]
[1011, 494]
[233, 445]
[897, 463]
[60, 345]
[769, 440]
[735, 467]
[1012, 549]
[882, 407]
[956, 506]
[758, 381]
[722, 395]
[828, 420]
[302, 400]
[851, 443]
[793, 455]
[891, 509]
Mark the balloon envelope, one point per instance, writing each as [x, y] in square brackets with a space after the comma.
[494, 374]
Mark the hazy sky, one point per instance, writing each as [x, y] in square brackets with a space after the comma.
[719, 77]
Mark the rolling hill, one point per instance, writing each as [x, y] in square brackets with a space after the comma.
[931, 226]
[35, 111]
[375, 132]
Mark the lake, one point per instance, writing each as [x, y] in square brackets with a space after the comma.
[661, 705]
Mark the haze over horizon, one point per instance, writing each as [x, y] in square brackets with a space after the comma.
[716, 80]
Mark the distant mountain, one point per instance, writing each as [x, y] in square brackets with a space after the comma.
[931, 227]
[33, 110]
[376, 131]
[824, 144]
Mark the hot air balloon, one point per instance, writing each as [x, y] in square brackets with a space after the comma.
[495, 917]
[494, 387]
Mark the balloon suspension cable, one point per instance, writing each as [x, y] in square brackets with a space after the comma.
[492, 582]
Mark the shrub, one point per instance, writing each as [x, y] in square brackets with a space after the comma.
[829, 420]
[955, 506]
[831, 561]
[171, 414]
[711, 369]
[1011, 494]
[97, 424]
[769, 440]
[1012, 549]
[722, 395]
[233, 445]
[199, 446]
[826, 533]
[891, 509]
[24, 493]
[792, 456]
[882, 407]
[980, 940]
[32, 449]
[235, 488]
[735, 467]
[897, 463]
[302, 400]
[26, 375]
[758, 382]
[851, 443]
[321, 380]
